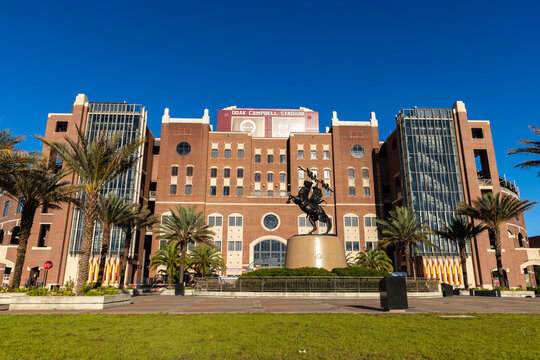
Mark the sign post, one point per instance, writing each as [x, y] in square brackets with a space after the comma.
[47, 266]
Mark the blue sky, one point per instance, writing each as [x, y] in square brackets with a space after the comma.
[350, 56]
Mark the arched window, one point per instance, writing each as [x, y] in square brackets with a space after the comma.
[365, 173]
[213, 172]
[257, 177]
[15, 236]
[270, 177]
[189, 171]
[269, 253]
[350, 173]
[174, 170]
[520, 240]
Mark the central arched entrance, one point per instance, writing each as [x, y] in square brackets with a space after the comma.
[269, 253]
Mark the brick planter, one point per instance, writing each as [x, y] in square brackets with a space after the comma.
[68, 302]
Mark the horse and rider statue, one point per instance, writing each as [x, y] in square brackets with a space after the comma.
[311, 205]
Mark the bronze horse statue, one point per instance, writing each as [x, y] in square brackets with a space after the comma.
[311, 205]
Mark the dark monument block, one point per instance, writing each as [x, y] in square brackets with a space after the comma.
[447, 290]
[393, 290]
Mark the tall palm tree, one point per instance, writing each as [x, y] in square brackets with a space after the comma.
[137, 217]
[494, 210]
[12, 159]
[96, 163]
[403, 230]
[170, 257]
[8, 142]
[33, 187]
[185, 226]
[461, 231]
[374, 259]
[111, 211]
[531, 147]
[205, 259]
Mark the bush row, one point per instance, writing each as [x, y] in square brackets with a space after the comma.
[355, 271]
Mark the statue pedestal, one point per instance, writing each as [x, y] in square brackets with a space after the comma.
[320, 251]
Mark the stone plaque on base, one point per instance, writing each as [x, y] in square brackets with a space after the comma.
[320, 251]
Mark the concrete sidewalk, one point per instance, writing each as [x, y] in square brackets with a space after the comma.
[152, 304]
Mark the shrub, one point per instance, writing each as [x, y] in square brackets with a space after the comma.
[305, 271]
[37, 292]
[102, 290]
[357, 271]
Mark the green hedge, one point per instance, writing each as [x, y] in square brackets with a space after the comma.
[358, 271]
[305, 271]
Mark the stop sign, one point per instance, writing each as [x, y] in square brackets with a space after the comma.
[47, 265]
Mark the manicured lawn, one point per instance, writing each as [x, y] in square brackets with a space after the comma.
[269, 336]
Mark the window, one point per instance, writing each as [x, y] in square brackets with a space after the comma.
[240, 153]
[355, 246]
[239, 191]
[239, 173]
[365, 173]
[327, 192]
[61, 126]
[369, 245]
[213, 172]
[183, 148]
[370, 221]
[313, 155]
[270, 177]
[350, 173]
[257, 177]
[189, 171]
[235, 221]
[270, 159]
[520, 240]
[257, 193]
[367, 191]
[189, 189]
[1, 236]
[352, 191]
[300, 154]
[227, 153]
[190, 246]
[43, 235]
[234, 246]
[15, 236]
[270, 221]
[217, 245]
[326, 155]
[7, 272]
[174, 171]
[357, 151]
[477, 133]
[314, 172]
[215, 221]
[351, 221]
[300, 174]
[6, 208]
[226, 191]
[257, 159]
[282, 193]
[155, 148]
[214, 153]
[270, 193]
[213, 190]
[282, 177]
[172, 190]
[327, 174]
[227, 173]
[20, 205]
[282, 159]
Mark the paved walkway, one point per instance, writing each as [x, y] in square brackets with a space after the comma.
[152, 304]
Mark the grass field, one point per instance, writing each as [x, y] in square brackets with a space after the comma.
[269, 336]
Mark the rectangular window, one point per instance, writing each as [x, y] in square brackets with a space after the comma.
[354, 221]
[239, 173]
[162, 244]
[238, 221]
[356, 246]
[240, 153]
[226, 191]
[282, 193]
[351, 221]
[237, 246]
[327, 192]
[257, 177]
[172, 190]
[350, 173]
[217, 245]
[327, 174]
[215, 221]
[348, 245]
[257, 193]
[270, 159]
[230, 246]
[20, 205]
[300, 174]
[326, 155]
[270, 177]
[189, 171]
[352, 191]
[282, 177]
[214, 153]
[239, 191]
[257, 159]
[174, 171]
[300, 154]
[227, 153]
[302, 221]
[44, 235]
[235, 221]
[367, 191]
[365, 173]
[227, 173]
[367, 221]
[313, 155]
[270, 193]
[61, 126]
[189, 189]
[477, 133]
[282, 159]
[369, 245]
[347, 221]
[213, 190]
[213, 172]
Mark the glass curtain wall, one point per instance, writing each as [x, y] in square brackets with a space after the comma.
[128, 122]
[430, 170]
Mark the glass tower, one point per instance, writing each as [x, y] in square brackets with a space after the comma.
[432, 183]
[129, 122]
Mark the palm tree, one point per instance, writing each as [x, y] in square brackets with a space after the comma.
[403, 230]
[185, 226]
[375, 259]
[111, 211]
[461, 231]
[170, 257]
[96, 163]
[205, 259]
[494, 210]
[8, 142]
[33, 187]
[531, 147]
[136, 217]
[10, 158]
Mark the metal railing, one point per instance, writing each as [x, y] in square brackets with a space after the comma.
[292, 284]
